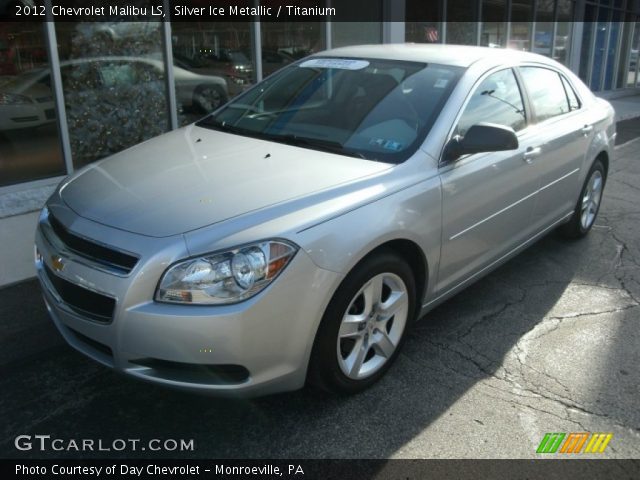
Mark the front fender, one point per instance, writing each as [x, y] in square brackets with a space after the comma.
[411, 214]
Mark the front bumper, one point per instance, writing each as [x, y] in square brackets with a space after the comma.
[256, 347]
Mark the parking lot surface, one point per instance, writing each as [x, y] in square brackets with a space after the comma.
[550, 342]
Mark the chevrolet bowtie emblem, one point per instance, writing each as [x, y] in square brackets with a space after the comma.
[57, 263]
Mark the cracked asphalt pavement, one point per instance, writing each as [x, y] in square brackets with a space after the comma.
[550, 342]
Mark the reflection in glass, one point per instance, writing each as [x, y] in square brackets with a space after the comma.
[213, 61]
[114, 86]
[367, 108]
[353, 33]
[422, 32]
[611, 50]
[29, 144]
[496, 100]
[546, 92]
[625, 53]
[494, 25]
[563, 42]
[462, 23]
[563, 31]
[633, 56]
[543, 37]
[286, 42]
[588, 31]
[602, 31]
[367, 31]
[521, 17]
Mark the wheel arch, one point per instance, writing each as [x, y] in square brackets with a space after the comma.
[415, 258]
[603, 156]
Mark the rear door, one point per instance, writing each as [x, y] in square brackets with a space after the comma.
[487, 198]
[561, 140]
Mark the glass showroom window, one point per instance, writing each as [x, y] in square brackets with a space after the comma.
[494, 25]
[428, 30]
[564, 24]
[286, 42]
[368, 30]
[461, 22]
[588, 35]
[353, 33]
[599, 50]
[543, 37]
[622, 77]
[521, 17]
[114, 85]
[213, 61]
[634, 78]
[612, 48]
[29, 144]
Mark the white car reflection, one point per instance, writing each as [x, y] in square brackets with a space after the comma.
[26, 101]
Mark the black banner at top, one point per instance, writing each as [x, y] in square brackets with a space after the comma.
[202, 11]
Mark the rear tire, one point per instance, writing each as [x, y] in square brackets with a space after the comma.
[364, 325]
[588, 204]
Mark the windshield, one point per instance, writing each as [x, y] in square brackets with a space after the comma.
[374, 109]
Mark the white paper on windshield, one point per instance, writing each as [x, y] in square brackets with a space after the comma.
[341, 63]
[441, 83]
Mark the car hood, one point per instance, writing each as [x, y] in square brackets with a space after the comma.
[28, 85]
[194, 177]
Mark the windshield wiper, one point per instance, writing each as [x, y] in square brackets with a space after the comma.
[210, 122]
[330, 146]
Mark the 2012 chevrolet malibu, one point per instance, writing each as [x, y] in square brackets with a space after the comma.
[294, 234]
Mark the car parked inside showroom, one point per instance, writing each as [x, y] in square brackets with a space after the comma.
[294, 235]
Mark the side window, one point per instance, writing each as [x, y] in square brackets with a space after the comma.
[574, 102]
[546, 92]
[496, 100]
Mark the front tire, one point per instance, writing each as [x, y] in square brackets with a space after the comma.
[588, 204]
[364, 325]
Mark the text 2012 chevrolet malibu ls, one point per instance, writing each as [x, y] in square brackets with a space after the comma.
[294, 234]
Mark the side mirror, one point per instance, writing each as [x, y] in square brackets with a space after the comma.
[483, 137]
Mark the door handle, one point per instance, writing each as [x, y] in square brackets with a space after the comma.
[530, 153]
[586, 130]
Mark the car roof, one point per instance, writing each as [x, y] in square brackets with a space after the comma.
[456, 55]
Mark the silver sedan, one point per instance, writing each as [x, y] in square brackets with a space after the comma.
[295, 234]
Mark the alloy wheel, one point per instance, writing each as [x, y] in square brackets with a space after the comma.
[372, 326]
[591, 200]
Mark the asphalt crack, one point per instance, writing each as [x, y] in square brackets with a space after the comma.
[520, 381]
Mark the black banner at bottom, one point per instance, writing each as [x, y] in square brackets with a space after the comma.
[324, 469]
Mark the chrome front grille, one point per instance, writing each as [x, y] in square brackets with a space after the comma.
[115, 260]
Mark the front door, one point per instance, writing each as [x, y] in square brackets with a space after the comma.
[487, 198]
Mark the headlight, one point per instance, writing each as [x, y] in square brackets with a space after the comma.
[226, 277]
